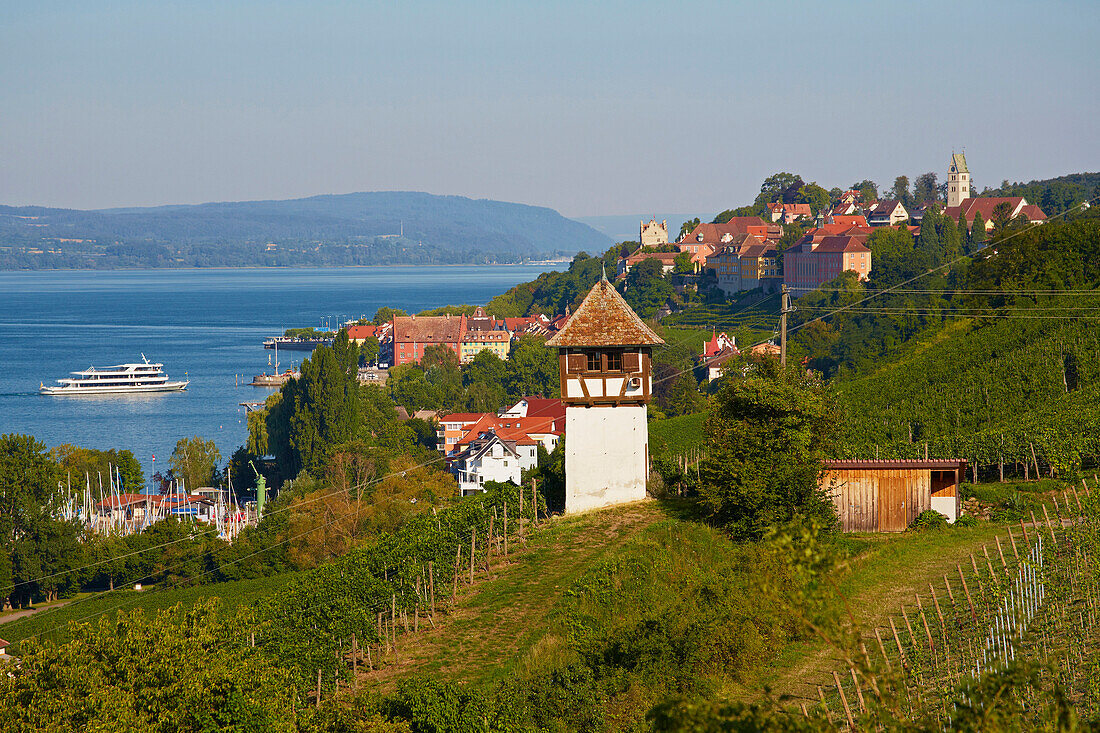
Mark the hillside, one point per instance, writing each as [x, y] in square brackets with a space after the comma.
[388, 227]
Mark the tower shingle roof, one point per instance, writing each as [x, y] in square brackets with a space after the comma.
[604, 319]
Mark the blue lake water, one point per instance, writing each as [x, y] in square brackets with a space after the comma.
[204, 325]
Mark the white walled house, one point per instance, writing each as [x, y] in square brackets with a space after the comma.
[492, 458]
[606, 383]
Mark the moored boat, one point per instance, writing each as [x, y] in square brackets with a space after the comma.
[274, 380]
[121, 379]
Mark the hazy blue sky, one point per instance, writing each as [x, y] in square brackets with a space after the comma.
[590, 108]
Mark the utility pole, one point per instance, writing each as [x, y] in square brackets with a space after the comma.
[784, 309]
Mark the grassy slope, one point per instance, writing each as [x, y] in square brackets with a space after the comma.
[518, 621]
[52, 623]
[497, 622]
[675, 435]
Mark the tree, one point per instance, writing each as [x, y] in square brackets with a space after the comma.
[1002, 215]
[35, 542]
[646, 287]
[900, 191]
[977, 233]
[76, 463]
[385, 314]
[925, 189]
[532, 369]
[814, 195]
[194, 462]
[683, 397]
[766, 440]
[368, 351]
[780, 187]
[688, 227]
[683, 265]
[868, 191]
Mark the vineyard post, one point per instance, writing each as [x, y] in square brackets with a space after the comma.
[969, 600]
[505, 529]
[1038, 475]
[1012, 539]
[897, 640]
[882, 648]
[354, 663]
[1023, 526]
[947, 583]
[492, 537]
[974, 564]
[927, 632]
[1049, 527]
[534, 504]
[431, 588]
[1058, 510]
[318, 703]
[859, 691]
[473, 548]
[1001, 552]
[989, 564]
[939, 614]
[821, 695]
[519, 519]
[252, 637]
[912, 638]
[458, 564]
[844, 702]
[1077, 498]
[370, 662]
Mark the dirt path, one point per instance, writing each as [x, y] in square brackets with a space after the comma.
[497, 620]
[31, 611]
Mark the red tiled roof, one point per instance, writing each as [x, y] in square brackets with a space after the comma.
[666, 258]
[362, 332]
[1033, 213]
[604, 319]
[849, 220]
[429, 329]
[713, 233]
[986, 204]
[841, 244]
[463, 417]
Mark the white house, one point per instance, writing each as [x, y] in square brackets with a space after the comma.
[489, 457]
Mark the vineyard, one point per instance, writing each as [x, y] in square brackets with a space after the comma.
[1010, 634]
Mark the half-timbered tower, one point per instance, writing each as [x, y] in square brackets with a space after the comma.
[604, 368]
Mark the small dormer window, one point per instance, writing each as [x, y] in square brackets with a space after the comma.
[699, 237]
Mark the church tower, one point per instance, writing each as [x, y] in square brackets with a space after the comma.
[958, 180]
[606, 382]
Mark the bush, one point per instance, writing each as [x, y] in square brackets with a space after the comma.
[966, 521]
[928, 520]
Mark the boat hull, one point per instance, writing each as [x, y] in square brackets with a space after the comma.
[113, 389]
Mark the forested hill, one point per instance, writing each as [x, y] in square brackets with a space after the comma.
[990, 362]
[1053, 195]
[389, 227]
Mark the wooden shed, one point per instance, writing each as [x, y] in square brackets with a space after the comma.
[885, 496]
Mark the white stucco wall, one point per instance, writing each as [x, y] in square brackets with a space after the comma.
[947, 506]
[606, 456]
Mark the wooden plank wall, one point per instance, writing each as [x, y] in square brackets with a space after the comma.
[878, 500]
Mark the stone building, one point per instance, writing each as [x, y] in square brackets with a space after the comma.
[653, 234]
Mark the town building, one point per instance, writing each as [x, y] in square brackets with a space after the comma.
[412, 334]
[653, 234]
[887, 213]
[667, 260]
[539, 418]
[886, 496]
[1014, 206]
[789, 213]
[814, 261]
[747, 262]
[958, 180]
[490, 457]
[716, 352]
[702, 241]
[484, 333]
[606, 382]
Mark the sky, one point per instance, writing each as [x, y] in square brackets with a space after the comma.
[593, 109]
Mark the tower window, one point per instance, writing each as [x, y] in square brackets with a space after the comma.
[593, 361]
[614, 361]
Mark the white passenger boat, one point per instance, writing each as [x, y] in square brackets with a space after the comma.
[121, 379]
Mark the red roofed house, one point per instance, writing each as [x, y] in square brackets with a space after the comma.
[492, 457]
[606, 382]
[360, 333]
[705, 239]
[746, 263]
[1016, 205]
[846, 220]
[812, 261]
[452, 427]
[411, 334]
[716, 352]
[788, 213]
[667, 260]
[887, 213]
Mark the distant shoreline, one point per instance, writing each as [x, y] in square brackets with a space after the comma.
[537, 263]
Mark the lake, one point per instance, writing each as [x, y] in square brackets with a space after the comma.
[207, 326]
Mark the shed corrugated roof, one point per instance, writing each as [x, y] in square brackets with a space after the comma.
[604, 319]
